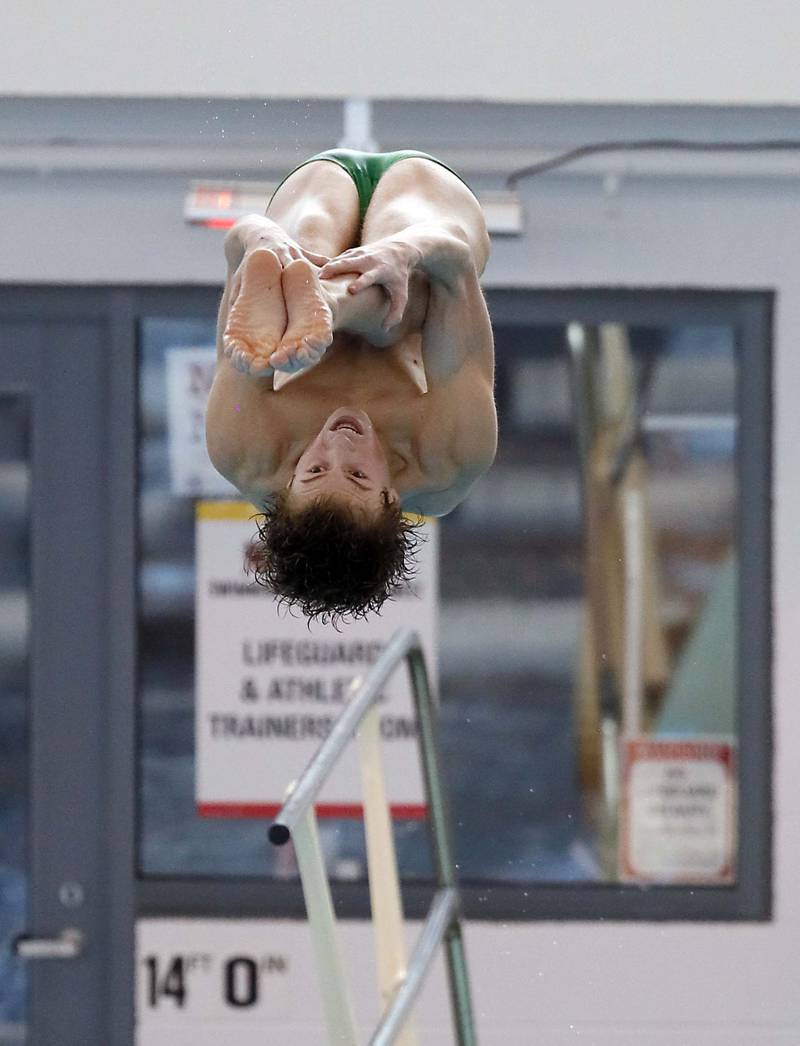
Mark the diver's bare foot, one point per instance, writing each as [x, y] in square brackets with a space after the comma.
[310, 327]
[257, 316]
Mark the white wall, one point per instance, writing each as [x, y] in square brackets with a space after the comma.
[715, 51]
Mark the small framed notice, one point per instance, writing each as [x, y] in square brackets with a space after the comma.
[678, 811]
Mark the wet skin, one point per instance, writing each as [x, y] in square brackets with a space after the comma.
[395, 325]
[346, 461]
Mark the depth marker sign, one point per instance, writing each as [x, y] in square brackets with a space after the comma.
[268, 688]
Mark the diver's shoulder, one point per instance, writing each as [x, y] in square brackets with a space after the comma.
[439, 501]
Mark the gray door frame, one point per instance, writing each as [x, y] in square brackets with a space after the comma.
[71, 353]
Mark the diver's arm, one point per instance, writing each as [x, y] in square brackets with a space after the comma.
[257, 232]
[456, 323]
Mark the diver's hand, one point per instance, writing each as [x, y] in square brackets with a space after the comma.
[386, 263]
[256, 232]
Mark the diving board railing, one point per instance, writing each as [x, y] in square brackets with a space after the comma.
[399, 983]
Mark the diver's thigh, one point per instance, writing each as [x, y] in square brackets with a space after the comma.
[318, 206]
[418, 190]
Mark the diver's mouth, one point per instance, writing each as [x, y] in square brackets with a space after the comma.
[348, 425]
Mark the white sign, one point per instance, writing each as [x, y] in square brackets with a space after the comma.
[678, 811]
[190, 375]
[269, 686]
[253, 982]
[215, 969]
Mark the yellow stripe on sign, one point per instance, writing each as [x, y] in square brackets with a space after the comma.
[241, 510]
[414, 517]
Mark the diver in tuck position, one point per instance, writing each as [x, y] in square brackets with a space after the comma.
[355, 369]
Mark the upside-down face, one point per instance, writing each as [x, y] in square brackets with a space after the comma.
[345, 460]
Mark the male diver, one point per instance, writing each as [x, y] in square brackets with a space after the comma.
[355, 369]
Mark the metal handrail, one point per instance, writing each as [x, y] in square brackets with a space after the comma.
[443, 922]
[364, 694]
[441, 915]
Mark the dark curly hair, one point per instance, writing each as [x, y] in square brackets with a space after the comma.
[330, 561]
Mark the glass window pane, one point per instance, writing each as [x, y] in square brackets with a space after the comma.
[536, 656]
[14, 691]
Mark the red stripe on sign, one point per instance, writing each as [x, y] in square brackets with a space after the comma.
[400, 811]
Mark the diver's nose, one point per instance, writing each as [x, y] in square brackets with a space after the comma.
[341, 446]
[342, 457]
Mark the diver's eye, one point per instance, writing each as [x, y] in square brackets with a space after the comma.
[358, 474]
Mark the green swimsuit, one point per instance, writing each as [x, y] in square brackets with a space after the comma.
[367, 169]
